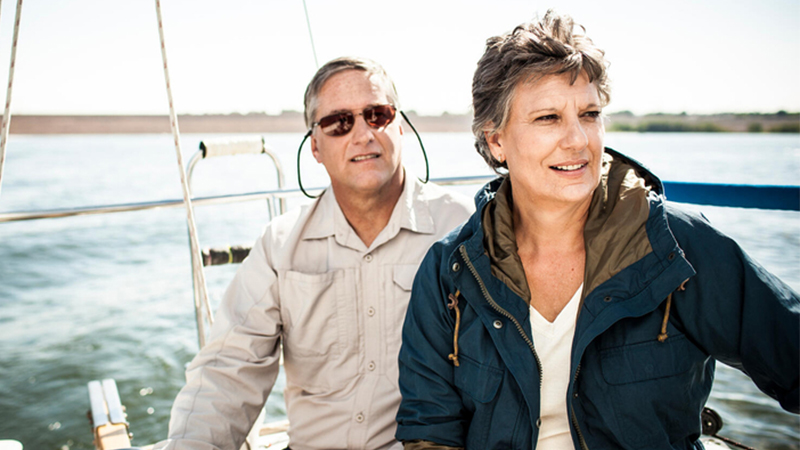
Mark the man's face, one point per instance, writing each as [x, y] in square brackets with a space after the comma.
[365, 160]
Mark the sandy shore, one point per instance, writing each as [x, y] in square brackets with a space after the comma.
[292, 122]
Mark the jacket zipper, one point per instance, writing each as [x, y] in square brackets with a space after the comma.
[508, 315]
[581, 441]
[500, 310]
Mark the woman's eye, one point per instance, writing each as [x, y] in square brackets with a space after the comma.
[547, 118]
[592, 114]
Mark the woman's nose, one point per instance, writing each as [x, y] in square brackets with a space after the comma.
[575, 135]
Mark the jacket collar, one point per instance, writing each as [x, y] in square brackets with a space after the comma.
[616, 230]
[411, 212]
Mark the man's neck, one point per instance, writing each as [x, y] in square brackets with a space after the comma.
[369, 212]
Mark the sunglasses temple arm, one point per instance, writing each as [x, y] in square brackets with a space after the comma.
[299, 181]
[424, 154]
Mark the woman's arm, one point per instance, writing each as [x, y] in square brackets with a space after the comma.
[738, 312]
[431, 410]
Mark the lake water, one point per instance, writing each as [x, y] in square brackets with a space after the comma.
[93, 297]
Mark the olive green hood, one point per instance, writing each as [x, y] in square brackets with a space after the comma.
[614, 234]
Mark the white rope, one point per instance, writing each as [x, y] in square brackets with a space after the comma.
[311, 36]
[7, 111]
[197, 267]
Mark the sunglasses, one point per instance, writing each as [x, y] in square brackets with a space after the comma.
[339, 124]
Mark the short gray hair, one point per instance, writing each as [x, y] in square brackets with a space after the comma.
[552, 45]
[337, 65]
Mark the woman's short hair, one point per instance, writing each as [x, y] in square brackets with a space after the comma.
[337, 65]
[552, 45]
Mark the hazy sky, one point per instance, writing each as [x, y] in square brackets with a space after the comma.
[103, 56]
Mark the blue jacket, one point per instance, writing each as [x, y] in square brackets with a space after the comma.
[641, 369]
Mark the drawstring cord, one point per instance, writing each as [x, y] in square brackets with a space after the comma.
[453, 304]
[663, 336]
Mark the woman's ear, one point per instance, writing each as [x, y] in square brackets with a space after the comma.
[495, 141]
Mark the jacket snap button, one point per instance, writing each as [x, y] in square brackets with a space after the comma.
[456, 267]
[497, 324]
[574, 395]
[671, 256]
[539, 422]
[607, 299]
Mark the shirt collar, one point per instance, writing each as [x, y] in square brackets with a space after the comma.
[411, 212]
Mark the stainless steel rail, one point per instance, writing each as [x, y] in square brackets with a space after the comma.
[16, 216]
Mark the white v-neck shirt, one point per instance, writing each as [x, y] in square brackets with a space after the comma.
[553, 343]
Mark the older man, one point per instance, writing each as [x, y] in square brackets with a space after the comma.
[329, 283]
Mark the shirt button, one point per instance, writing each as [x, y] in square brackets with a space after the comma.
[359, 417]
[497, 324]
[371, 365]
[368, 257]
[371, 311]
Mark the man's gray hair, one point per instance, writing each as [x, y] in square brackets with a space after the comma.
[337, 65]
[552, 45]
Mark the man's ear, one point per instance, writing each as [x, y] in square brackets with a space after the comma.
[315, 149]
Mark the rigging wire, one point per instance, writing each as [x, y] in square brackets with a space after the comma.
[199, 281]
[7, 111]
[311, 36]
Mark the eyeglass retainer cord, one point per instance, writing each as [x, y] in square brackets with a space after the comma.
[424, 155]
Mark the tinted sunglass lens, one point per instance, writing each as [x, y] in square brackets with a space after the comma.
[337, 124]
[379, 116]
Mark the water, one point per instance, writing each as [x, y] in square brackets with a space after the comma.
[92, 297]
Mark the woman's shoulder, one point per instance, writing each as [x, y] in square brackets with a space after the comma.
[685, 221]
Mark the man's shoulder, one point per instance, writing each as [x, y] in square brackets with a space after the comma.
[445, 201]
[280, 229]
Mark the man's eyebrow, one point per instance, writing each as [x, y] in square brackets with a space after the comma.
[336, 111]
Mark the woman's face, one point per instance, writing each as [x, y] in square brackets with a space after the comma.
[553, 141]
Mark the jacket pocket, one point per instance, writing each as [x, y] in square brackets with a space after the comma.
[479, 381]
[320, 328]
[646, 361]
[655, 390]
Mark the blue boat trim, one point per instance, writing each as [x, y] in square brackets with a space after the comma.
[785, 198]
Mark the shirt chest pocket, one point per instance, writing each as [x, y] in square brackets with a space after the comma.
[320, 329]
[400, 278]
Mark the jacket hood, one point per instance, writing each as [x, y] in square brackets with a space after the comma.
[615, 232]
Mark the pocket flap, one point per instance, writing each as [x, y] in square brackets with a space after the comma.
[479, 381]
[404, 275]
[646, 360]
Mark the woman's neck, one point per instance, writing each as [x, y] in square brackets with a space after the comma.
[554, 227]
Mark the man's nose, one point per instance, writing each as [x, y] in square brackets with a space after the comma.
[362, 133]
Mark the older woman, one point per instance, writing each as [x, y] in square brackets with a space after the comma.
[576, 308]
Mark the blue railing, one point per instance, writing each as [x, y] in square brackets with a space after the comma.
[735, 195]
[732, 195]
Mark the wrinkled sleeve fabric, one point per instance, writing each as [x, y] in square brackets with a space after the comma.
[431, 414]
[228, 381]
[738, 312]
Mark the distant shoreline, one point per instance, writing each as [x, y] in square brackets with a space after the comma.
[292, 122]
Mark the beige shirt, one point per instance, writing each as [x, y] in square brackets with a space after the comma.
[336, 306]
